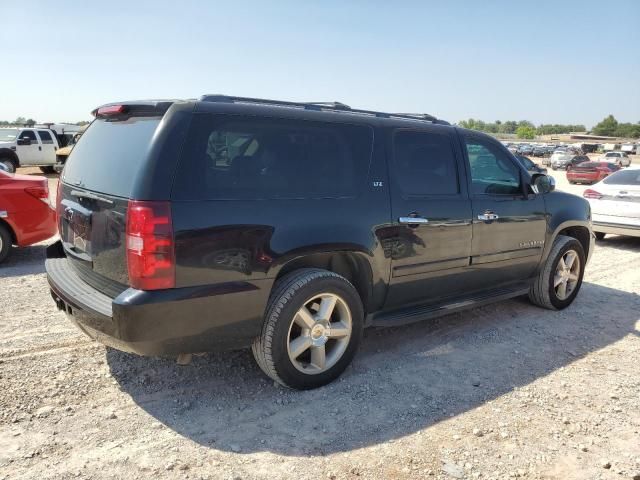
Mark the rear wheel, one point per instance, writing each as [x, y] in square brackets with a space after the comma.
[47, 169]
[9, 163]
[600, 235]
[312, 329]
[560, 279]
[5, 242]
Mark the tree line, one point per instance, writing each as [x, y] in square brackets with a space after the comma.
[527, 130]
[30, 122]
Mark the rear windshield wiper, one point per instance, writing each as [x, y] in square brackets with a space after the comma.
[93, 196]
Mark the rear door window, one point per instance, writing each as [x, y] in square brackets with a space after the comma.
[235, 157]
[45, 137]
[109, 155]
[424, 163]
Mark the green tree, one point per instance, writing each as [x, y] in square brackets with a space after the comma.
[526, 131]
[606, 127]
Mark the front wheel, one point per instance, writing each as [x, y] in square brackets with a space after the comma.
[47, 169]
[9, 164]
[600, 235]
[5, 242]
[312, 329]
[560, 278]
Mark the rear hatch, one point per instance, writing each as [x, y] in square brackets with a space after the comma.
[94, 193]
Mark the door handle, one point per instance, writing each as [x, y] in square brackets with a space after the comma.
[39, 148]
[488, 216]
[413, 220]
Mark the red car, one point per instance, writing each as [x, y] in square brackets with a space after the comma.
[26, 215]
[590, 172]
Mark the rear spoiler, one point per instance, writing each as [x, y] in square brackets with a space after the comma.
[123, 110]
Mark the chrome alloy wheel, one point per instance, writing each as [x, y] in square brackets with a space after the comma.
[319, 333]
[567, 274]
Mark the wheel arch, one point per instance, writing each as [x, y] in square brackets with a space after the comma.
[7, 152]
[354, 266]
[12, 233]
[581, 231]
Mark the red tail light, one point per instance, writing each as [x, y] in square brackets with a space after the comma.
[111, 110]
[589, 193]
[150, 248]
[41, 192]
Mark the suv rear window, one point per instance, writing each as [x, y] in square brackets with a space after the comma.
[235, 157]
[108, 156]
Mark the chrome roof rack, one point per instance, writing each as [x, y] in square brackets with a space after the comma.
[321, 106]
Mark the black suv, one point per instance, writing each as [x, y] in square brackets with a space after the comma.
[228, 222]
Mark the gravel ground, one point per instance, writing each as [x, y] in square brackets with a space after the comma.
[503, 391]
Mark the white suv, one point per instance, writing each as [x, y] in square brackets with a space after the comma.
[21, 147]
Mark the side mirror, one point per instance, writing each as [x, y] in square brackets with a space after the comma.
[542, 183]
[24, 141]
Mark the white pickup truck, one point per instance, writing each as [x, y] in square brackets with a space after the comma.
[24, 146]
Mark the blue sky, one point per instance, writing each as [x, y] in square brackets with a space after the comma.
[545, 61]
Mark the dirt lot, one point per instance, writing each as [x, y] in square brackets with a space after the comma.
[504, 391]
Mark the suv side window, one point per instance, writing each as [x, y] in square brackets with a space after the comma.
[30, 134]
[492, 171]
[424, 163]
[234, 157]
[45, 136]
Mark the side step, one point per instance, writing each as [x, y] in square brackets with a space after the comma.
[419, 313]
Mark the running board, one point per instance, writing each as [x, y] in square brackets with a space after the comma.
[425, 312]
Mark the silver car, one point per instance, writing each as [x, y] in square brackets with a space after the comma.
[615, 204]
[621, 158]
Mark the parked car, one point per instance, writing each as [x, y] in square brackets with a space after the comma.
[529, 165]
[566, 160]
[539, 151]
[33, 147]
[228, 222]
[590, 172]
[525, 149]
[26, 215]
[621, 158]
[615, 204]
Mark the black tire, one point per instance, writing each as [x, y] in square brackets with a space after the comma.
[600, 235]
[47, 169]
[9, 163]
[5, 242]
[542, 292]
[289, 294]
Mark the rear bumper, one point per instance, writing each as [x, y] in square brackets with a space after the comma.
[162, 322]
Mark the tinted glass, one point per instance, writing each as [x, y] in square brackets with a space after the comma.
[526, 162]
[231, 157]
[424, 164]
[492, 171]
[30, 134]
[45, 137]
[109, 155]
[624, 177]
